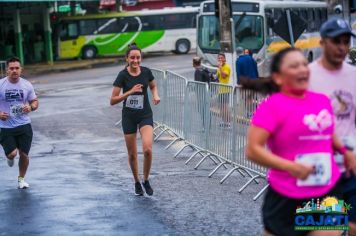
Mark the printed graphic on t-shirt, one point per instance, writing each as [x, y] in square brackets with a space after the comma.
[318, 122]
[342, 102]
[13, 95]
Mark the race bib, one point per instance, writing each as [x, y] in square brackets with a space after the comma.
[135, 101]
[321, 162]
[16, 110]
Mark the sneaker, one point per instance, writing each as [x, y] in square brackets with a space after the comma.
[10, 162]
[138, 189]
[147, 187]
[22, 183]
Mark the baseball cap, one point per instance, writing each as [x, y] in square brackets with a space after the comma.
[335, 27]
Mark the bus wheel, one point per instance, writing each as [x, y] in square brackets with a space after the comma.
[310, 57]
[182, 46]
[89, 52]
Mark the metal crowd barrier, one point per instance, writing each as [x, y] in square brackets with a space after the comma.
[246, 102]
[174, 106]
[158, 110]
[2, 69]
[197, 117]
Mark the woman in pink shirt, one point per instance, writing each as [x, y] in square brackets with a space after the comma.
[298, 127]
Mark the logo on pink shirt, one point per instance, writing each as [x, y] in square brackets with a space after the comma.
[319, 122]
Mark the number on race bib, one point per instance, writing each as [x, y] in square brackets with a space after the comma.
[135, 101]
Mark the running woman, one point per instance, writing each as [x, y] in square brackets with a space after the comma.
[298, 127]
[17, 100]
[136, 113]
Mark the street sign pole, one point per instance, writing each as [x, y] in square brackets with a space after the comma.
[290, 28]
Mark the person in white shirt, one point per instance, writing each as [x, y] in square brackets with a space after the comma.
[332, 76]
[17, 100]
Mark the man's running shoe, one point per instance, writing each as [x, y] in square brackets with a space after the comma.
[22, 183]
[10, 162]
[147, 187]
[138, 189]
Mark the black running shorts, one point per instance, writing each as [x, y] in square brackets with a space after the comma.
[16, 138]
[131, 123]
[278, 212]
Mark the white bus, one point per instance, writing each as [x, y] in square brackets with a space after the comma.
[253, 22]
[168, 29]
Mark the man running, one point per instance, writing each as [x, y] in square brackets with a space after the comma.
[333, 76]
[17, 100]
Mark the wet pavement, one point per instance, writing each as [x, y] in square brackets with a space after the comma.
[81, 183]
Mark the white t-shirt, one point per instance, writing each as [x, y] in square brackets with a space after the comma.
[340, 86]
[12, 98]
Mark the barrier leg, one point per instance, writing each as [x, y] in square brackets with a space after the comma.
[249, 174]
[228, 174]
[193, 155]
[180, 150]
[171, 143]
[248, 183]
[260, 192]
[118, 123]
[217, 168]
[202, 160]
[214, 160]
[160, 134]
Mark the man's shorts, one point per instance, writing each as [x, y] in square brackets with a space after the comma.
[19, 137]
[131, 123]
[278, 211]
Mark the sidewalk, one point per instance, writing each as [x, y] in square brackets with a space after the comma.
[61, 66]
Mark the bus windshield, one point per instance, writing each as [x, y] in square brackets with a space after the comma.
[248, 32]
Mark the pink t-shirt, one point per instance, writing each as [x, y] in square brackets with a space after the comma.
[298, 127]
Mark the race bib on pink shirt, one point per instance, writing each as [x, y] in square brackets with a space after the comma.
[321, 163]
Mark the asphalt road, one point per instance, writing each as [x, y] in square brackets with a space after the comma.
[81, 183]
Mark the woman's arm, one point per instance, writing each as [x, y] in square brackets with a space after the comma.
[154, 90]
[257, 152]
[350, 157]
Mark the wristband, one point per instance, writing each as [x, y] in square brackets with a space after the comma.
[342, 150]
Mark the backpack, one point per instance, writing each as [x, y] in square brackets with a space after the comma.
[212, 76]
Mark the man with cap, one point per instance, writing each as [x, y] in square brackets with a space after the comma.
[246, 66]
[331, 75]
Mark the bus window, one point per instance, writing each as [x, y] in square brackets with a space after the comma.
[208, 36]
[311, 22]
[69, 31]
[87, 27]
[304, 14]
[249, 32]
[317, 19]
[133, 23]
[149, 23]
[109, 26]
[324, 15]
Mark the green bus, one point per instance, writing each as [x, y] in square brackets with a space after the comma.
[89, 36]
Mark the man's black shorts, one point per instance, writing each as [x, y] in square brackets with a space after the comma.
[130, 123]
[278, 212]
[19, 137]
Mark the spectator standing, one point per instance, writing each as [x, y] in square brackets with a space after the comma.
[246, 66]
